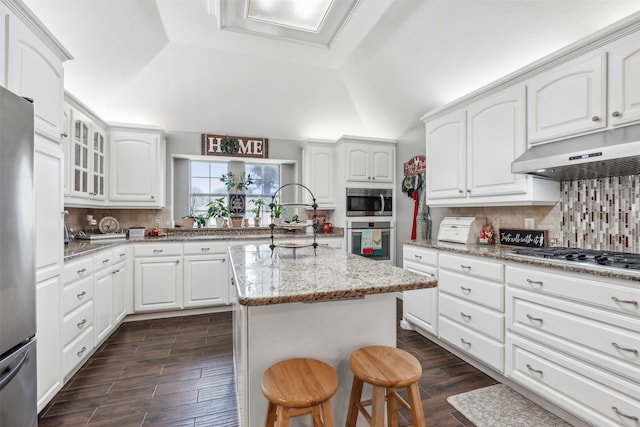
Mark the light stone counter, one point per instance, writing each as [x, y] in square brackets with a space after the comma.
[263, 278]
[504, 253]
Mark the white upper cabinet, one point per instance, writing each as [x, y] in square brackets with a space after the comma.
[568, 99]
[136, 167]
[3, 44]
[447, 156]
[368, 160]
[36, 72]
[624, 78]
[66, 147]
[318, 160]
[495, 137]
[469, 155]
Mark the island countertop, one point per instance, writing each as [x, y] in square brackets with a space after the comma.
[331, 274]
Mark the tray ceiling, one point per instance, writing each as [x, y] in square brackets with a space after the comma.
[169, 62]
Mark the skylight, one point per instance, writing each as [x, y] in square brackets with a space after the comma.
[306, 15]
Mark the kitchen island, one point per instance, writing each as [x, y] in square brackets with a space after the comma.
[323, 306]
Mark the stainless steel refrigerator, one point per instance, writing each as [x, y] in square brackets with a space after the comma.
[18, 385]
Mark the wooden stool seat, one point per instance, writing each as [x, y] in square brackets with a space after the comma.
[299, 386]
[386, 369]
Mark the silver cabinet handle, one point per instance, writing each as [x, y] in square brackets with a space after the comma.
[465, 343]
[595, 119]
[123, 254]
[622, 301]
[465, 316]
[630, 350]
[81, 324]
[205, 249]
[106, 260]
[465, 267]
[616, 114]
[433, 276]
[81, 271]
[622, 414]
[81, 294]
[82, 351]
[158, 251]
[468, 190]
[534, 319]
[465, 290]
[460, 191]
[537, 371]
[534, 282]
[417, 256]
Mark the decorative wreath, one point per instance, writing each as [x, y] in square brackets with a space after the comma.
[229, 145]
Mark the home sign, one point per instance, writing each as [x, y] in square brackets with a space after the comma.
[528, 238]
[234, 146]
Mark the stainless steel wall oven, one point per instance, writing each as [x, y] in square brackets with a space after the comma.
[358, 233]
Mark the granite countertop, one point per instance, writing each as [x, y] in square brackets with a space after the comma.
[77, 247]
[504, 253]
[331, 274]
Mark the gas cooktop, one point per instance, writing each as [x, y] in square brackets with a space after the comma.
[587, 257]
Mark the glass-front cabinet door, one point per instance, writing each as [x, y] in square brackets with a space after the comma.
[98, 166]
[88, 158]
[80, 153]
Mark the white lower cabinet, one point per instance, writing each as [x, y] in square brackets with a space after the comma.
[157, 277]
[580, 350]
[120, 273]
[206, 274]
[420, 306]
[103, 296]
[49, 363]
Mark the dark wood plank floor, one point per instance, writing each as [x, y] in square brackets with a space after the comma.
[179, 372]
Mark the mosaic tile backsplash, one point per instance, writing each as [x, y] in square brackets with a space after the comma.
[602, 213]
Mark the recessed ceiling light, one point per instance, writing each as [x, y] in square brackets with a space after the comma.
[306, 15]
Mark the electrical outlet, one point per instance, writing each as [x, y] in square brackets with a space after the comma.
[529, 223]
[157, 221]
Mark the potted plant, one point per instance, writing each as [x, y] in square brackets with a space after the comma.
[257, 210]
[218, 210]
[236, 183]
[276, 211]
[188, 221]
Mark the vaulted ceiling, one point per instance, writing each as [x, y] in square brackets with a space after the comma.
[167, 63]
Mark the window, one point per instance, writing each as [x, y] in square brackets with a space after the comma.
[266, 180]
[206, 185]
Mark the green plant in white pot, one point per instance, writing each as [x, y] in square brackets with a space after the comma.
[258, 204]
[218, 210]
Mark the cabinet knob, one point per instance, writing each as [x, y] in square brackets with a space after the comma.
[460, 191]
[595, 119]
[64, 135]
[373, 177]
[153, 197]
[81, 295]
[468, 190]
[616, 114]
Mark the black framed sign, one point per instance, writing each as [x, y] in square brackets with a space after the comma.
[237, 203]
[528, 238]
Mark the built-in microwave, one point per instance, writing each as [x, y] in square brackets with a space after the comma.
[369, 202]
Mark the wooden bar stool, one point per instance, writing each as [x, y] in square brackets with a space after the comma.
[386, 369]
[299, 386]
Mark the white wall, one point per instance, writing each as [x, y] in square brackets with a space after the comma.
[411, 143]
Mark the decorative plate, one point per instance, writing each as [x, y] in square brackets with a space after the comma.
[108, 224]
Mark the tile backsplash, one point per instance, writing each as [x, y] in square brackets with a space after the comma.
[602, 213]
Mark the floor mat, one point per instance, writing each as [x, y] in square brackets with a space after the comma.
[499, 406]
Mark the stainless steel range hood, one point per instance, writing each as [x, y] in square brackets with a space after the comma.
[610, 153]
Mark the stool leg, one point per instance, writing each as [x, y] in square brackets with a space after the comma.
[283, 417]
[271, 415]
[327, 414]
[377, 407]
[416, 405]
[356, 394]
[317, 417]
[392, 408]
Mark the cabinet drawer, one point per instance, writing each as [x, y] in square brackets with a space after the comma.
[480, 319]
[204, 248]
[119, 254]
[147, 250]
[610, 295]
[76, 322]
[77, 269]
[475, 290]
[420, 255]
[428, 270]
[479, 346]
[609, 340]
[77, 350]
[76, 294]
[102, 260]
[472, 267]
[573, 385]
